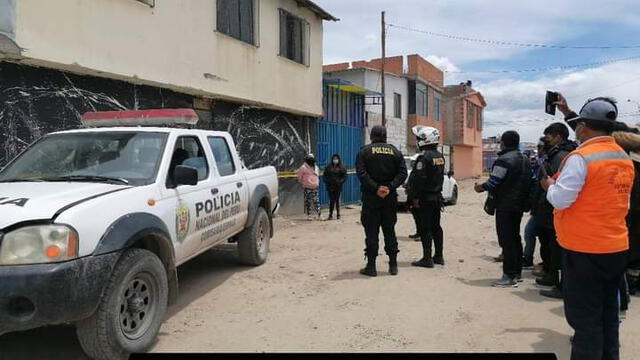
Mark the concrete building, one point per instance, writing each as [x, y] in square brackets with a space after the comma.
[463, 113]
[416, 92]
[250, 67]
[367, 74]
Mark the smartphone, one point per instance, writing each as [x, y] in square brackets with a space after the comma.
[549, 106]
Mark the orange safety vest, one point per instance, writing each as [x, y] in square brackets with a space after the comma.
[595, 222]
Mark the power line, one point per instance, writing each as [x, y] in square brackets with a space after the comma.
[553, 68]
[511, 43]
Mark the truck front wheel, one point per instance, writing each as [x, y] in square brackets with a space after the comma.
[253, 242]
[131, 310]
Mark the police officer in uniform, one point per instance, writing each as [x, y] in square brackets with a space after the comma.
[425, 186]
[381, 170]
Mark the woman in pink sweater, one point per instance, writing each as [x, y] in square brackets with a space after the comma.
[310, 182]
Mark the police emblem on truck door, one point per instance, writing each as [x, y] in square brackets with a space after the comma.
[183, 219]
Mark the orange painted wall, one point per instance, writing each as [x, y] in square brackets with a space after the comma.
[467, 162]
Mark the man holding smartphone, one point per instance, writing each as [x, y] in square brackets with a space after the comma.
[591, 200]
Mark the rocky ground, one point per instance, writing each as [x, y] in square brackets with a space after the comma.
[310, 297]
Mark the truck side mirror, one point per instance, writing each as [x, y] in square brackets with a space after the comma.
[450, 173]
[185, 175]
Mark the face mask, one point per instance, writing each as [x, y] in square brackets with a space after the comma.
[336, 161]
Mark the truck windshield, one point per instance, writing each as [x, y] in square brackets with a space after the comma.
[116, 157]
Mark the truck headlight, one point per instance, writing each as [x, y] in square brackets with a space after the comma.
[39, 244]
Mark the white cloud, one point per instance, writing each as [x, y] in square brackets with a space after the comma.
[513, 101]
[442, 63]
[527, 21]
[519, 104]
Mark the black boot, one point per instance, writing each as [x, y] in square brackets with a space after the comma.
[426, 260]
[438, 259]
[370, 269]
[393, 264]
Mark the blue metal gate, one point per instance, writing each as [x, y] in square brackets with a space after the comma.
[346, 141]
[341, 131]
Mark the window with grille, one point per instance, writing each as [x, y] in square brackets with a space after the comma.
[294, 38]
[236, 18]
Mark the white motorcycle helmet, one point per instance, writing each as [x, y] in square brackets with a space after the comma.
[426, 135]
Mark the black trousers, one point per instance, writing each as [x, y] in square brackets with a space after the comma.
[545, 249]
[553, 263]
[430, 229]
[334, 201]
[416, 219]
[633, 222]
[508, 229]
[590, 289]
[379, 213]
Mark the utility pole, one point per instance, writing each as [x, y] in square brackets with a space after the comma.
[384, 58]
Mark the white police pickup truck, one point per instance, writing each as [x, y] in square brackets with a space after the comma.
[94, 222]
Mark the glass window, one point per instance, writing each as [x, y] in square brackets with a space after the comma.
[236, 19]
[422, 99]
[397, 105]
[222, 156]
[437, 109]
[188, 152]
[479, 119]
[294, 35]
[471, 116]
[91, 156]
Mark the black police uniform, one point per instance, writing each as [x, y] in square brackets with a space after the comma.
[426, 187]
[380, 164]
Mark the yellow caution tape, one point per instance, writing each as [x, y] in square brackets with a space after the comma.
[293, 174]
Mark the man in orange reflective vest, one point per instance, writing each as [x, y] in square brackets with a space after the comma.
[591, 201]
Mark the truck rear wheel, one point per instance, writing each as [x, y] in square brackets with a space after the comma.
[131, 310]
[253, 242]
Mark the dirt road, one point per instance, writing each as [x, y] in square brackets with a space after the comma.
[310, 297]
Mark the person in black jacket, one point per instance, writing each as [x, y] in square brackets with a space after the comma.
[629, 140]
[381, 170]
[557, 137]
[509, 184]
[425, 186]
[532, 230]
[335, 175]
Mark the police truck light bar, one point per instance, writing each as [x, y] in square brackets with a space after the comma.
[159, 117]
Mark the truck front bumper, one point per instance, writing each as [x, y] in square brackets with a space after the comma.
[48, 294]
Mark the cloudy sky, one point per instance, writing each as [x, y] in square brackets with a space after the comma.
[515, 99]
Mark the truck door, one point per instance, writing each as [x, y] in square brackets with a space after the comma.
[188, 151]
[230, 194]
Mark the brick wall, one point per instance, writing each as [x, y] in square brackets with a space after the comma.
[335, 67]
[394, 65]
[425, 70]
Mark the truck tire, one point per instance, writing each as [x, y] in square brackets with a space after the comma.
[253, 242]
[131, 310]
